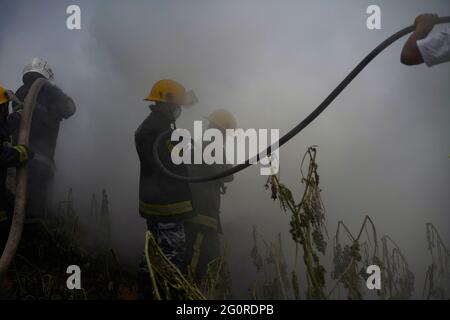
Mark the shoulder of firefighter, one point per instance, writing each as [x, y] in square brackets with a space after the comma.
[64, 105]
[51, 100]
[161, 198]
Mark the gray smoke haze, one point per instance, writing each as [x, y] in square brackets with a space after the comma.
[383, 144]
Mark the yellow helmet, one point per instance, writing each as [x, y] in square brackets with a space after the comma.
[3, 97]
[167, 91]
[223, 119]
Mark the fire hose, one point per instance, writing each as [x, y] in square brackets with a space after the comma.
[18, 219]
[298, 128]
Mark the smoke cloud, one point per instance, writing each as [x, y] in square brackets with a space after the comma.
[383, 144]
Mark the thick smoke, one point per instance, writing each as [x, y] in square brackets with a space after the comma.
[383, 144]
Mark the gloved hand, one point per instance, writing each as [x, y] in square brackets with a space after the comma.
[17, 105]
[25, 153]
[30, 153]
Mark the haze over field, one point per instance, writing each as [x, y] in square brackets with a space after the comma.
[383, 144]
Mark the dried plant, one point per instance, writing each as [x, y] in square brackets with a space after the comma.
[307, 221]
[167, 281]
[217, 282]
[349, 259]
[255, 255]
[48, 247]
[397, 278]
[276, 283]
[437, 279]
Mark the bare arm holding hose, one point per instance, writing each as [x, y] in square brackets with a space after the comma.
[426, 45]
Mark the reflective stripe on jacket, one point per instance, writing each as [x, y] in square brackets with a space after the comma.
[205, 221]
[167, 210]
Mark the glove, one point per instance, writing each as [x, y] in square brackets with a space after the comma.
[25, 153]
[17, 105]
[30, 153]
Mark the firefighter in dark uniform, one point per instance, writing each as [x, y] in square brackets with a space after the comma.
[202, 231]
[163, 201]
[10, 156]
[52, 106]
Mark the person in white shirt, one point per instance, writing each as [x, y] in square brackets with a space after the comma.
[426, 45]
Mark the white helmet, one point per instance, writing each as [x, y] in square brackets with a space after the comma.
[40, 66]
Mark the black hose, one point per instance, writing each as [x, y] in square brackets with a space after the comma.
[294, 131]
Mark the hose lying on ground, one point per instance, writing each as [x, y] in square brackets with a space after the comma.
[21, 179]
[302, 125]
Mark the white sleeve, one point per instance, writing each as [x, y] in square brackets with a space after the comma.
[435, 48]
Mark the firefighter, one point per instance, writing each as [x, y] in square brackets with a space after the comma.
[163, 201]
[10, 156]
[202, 231]
[52, 106]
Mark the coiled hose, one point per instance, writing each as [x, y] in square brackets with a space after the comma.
[302, 125]
[18, 219]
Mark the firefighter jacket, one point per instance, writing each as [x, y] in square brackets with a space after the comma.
[206, 195]
[161, 198]
[52, 106]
